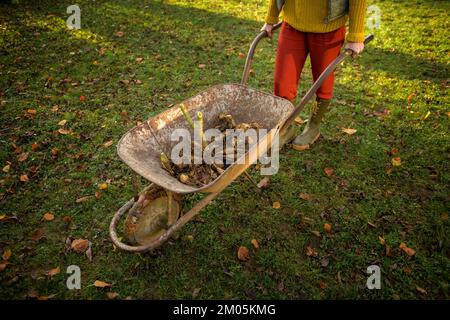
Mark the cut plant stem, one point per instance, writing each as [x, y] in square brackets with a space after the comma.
[186, 115]
[165, 162]
[200, 129]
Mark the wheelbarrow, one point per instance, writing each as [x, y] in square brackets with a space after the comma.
[155, 215]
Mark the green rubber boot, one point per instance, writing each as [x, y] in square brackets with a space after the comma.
[311, 132]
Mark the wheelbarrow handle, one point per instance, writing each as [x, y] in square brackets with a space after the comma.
[251, 52]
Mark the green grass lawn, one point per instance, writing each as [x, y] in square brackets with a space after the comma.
[396, 95]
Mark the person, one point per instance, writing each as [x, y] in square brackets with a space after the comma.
[317, 28]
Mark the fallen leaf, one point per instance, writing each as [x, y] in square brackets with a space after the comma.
[2, 217]
[80, 245]
[83, 199]
[444, 216]
[327, 227]
[255, 243]
[53, 272]
[243, 253]
[407, 271]
[322, 285]
[48, 216]
[195, 293]
[202, 66]
[89, 253]
[32, 111]
[373, 225]
[62, 122]
[23, 178]
[305, 196]
[103, 186]
[392, 151]
[34, 146]
[111, 295]
[409, 251]
[139, 59]
[276, 205]
[388, 251]
[67, 219]
[101, 284]
[82, 98]
[125, 82]
[348, 131]
[382, 241]
[421, 290]
[54, 151]
[396, 162]
[38, 234]
[2, 266]
[6, 254]
[310, 252]
[23, 156]
[328, 171]
[316, 233]
[64, 131]
[6, 168]
[263, 183]
[108, 143]
[119, 34]
[299, 120]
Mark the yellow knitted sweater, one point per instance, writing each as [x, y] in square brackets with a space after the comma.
[309, 16]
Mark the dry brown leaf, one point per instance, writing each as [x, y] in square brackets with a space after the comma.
[31, 111]
[409, 251]
[328, 171]
[276, 205]
[322, 285]
[62, 122]
[89, 253]
[382, 241]
[82, 98]
[67, 219]
[373, 225]
[83, 199]
[6, 254]
[111, 295]
[103, 186]
[2, 266]
[38, 234]
[23, 156]
[101, 284]
[305, 196]
[327, 227]
[34, 146]
[243, 253]
[23, 178]
[108, 143]
[310, 252]
[79, 245]
[444, 216]
[348, 131]
[421, 290]
[64, 131]
[396, 162]
[119, 34]
[299, 120]
[139, 59]
[388, 251]
[6, 168]
[48, 216]
[53, 272]
[255, 243]
[125, 82]
[202, 66]
[263, 183]
[54, 151]
[316, 233]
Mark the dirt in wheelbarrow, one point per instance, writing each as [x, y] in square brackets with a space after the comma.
[199, 173]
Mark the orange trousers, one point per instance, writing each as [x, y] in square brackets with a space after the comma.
[292, 51]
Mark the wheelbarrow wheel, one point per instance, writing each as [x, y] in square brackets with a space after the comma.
[151, 215]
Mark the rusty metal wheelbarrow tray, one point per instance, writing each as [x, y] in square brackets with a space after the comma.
[140, 147]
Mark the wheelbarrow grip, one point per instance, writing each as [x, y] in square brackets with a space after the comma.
[251, 52]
